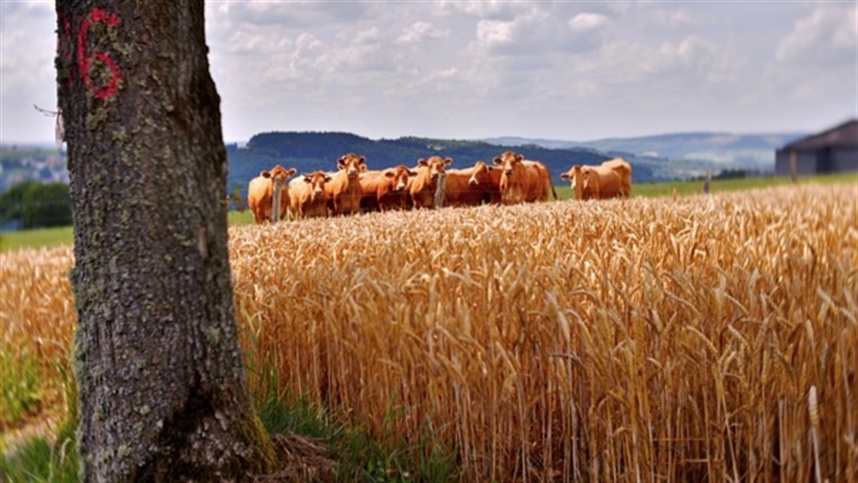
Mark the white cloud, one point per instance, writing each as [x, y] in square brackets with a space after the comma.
[828, 32]
[367, 36]
[587, 21]
[491, 33]
[420, 31]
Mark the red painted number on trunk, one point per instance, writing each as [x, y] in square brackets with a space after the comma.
[105, 89]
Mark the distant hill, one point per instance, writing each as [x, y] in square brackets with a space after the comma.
[309, 151]
[699, 149]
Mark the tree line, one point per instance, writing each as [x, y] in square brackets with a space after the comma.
[32, 204]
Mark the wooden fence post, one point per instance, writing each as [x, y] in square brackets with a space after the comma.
[793, 167]
[439, 192]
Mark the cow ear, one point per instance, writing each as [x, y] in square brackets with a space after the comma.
[265, 174]
[291, 172]
[390, 173]
[412, 173]
[448, 161]
[519, 157]
[341, 162]
[422, 162]
[566, 175]
[327, 178]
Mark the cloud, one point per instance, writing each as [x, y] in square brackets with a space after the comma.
[814, 65]
[387, 68]
[828, 34]
[587, 21]
[28, 42]
[491, 33]
[421, 31]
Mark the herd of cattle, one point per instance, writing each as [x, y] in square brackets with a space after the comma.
[354, 188]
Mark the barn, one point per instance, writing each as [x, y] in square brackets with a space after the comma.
[831, 151]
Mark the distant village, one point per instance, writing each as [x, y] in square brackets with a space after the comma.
[45, 164]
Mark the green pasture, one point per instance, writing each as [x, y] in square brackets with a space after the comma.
[49, 237]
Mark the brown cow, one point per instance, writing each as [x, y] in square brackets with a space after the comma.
[385, 190]
[624, 170]
[487, 180]
[307, 196]
[472, 186]
[613, 178]
[265, 196]
[523, 180]
[423, 187]
[343, 190]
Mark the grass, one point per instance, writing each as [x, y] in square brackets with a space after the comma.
[43, 458]
[64, 235]
[20, 394]
[46, 457]
[37, 238]
[689, 188]
[353, 453]
[37, 460]
[686, 188]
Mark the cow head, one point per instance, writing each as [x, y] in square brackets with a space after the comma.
[352, 164]
[578, 177]
[278, 174]
[399, 177]
[508, 161]
[317, 180]
[481, 174]
[572, 175]
[435, 165]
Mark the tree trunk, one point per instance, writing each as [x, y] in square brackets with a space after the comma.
[163, 394]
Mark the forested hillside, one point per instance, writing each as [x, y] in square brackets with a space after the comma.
[309, 151]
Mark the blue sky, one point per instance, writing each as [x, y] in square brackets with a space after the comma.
[572, 70]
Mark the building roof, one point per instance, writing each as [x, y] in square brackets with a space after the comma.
[845, 134]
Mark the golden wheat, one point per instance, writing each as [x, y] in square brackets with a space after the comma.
[639, 340]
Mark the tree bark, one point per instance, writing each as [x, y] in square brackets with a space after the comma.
[163, 394]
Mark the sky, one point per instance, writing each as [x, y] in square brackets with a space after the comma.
[565, 70]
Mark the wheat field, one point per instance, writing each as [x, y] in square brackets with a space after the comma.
[699, 338]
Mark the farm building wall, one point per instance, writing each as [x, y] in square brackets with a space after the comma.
[845, 159]
[832, 151]
[818, 161]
